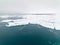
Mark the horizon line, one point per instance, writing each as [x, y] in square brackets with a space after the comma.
[27, 14]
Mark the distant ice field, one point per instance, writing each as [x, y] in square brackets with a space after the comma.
[45, 20]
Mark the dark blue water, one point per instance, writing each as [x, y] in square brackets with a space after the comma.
[29, 35]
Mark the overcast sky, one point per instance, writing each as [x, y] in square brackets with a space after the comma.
[29, 6]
